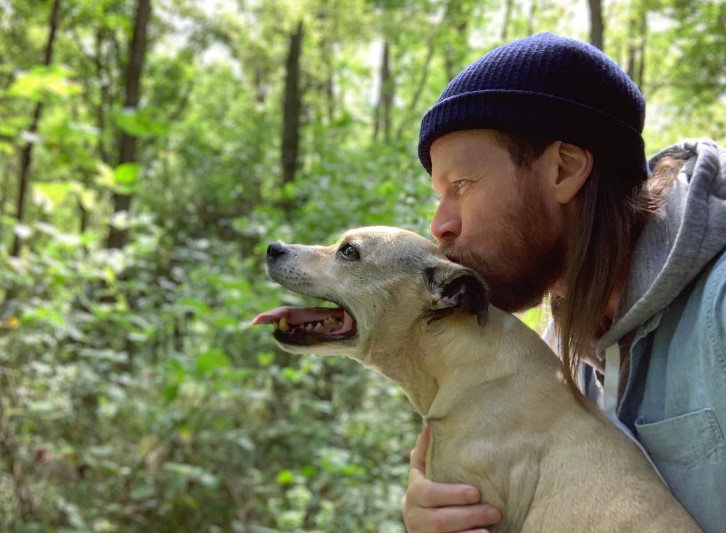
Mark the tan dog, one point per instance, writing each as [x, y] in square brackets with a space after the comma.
[501, 416]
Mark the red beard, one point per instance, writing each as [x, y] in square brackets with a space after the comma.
[533, 261]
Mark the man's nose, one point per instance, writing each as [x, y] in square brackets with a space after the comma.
[446, 224]
[275, 250]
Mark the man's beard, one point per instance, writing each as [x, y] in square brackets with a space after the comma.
[531, 263]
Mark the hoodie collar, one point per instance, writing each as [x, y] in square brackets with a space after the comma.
[679, 240]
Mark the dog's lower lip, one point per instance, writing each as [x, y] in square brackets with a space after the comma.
[310, 339]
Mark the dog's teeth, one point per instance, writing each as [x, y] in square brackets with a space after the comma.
[330, 321]
[318, 327]
[309, 327]
[283, 325]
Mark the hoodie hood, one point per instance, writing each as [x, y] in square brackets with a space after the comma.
[679, 240]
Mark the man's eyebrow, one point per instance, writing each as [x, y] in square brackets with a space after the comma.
[448, 176]
[474, 174]
[441, 177]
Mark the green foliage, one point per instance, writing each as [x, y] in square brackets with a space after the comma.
[140, 123]
[41, 82]
[134, 395]
[134, 386]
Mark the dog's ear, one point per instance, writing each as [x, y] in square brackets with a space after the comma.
[456, 287]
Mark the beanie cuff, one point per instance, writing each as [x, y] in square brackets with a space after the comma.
[526, 112]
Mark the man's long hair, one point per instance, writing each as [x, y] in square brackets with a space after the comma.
[610, 214]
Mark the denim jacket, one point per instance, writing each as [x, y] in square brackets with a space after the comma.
[673, 322]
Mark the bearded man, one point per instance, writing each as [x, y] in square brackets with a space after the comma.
[536, 153]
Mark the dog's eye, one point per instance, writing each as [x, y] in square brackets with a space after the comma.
[349, 252]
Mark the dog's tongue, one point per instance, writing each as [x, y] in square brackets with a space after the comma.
[300, 315]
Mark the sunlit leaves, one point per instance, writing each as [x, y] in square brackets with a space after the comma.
[285, 477]
[122, 179]
[126, 174]
[42, 81]
[140, 123]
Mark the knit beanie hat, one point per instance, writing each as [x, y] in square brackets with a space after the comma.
[551, 87]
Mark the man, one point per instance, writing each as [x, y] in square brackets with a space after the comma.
[536, 153]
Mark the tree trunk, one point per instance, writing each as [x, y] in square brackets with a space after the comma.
[597, 28]
[533, 12]
[26, 156]
[641, 66]
[127, 154]
[507, 17]
[3, 194]
[104, 97]
[292, 108]
[385, 97]
[327, 22]
[413, 105]
[457, 17]
[638, 28]
[260, 84]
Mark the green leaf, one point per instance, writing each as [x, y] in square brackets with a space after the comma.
[196, 305]
[139, 123]
[286, 477]
[177, 369]
[171, 392]
[265, 359]
[536, 318]
[43, 80]
[127, 173]
[291, 374]
[211, 361]
[238, 375]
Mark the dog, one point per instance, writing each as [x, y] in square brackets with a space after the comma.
[502, 417]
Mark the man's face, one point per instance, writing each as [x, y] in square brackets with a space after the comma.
[496, 219]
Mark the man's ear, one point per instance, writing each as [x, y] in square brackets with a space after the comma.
[573, 165]
[456, 287]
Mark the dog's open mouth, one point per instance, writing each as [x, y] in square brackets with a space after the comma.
[310, 325]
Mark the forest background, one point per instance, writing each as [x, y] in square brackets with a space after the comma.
[149, 151]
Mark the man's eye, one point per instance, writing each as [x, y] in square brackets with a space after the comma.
[349, 252]
[459, 184]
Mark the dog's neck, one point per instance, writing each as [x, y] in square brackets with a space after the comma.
[404, 366]
[464, 356]
[447, 354]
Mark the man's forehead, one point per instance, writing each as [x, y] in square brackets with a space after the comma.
[463, 150]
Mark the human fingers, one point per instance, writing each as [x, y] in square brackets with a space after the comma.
[441, 507]
[466, 518]
[425, 493]
[418, 454]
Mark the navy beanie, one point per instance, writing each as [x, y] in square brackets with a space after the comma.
[551, 87]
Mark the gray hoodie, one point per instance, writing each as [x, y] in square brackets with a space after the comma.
[674, 312]
[681, 240]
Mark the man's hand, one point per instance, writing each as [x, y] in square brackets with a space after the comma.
[442, 507]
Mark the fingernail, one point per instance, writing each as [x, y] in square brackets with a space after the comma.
[472, 495]
[492, 513]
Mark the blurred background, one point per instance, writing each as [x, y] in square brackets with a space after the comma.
[149, 151]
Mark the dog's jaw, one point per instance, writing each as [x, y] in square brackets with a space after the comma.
[314, 326]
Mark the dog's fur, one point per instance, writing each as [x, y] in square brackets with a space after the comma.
[501, 416]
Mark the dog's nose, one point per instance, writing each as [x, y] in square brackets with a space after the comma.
[275, 250]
